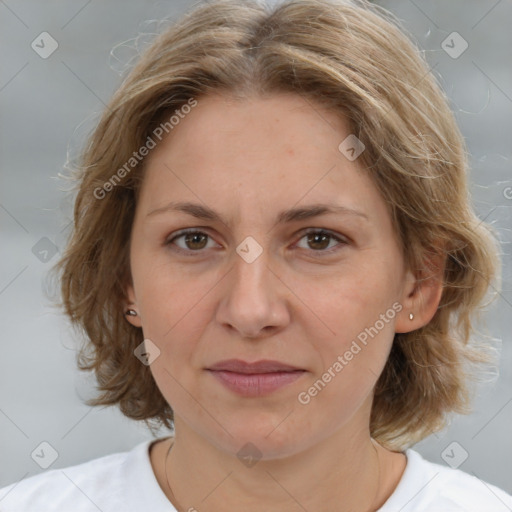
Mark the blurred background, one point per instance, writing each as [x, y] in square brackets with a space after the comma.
[57, 73]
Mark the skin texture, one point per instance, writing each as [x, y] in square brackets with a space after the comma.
[248, 160]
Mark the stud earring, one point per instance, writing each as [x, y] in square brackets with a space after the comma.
[411, 316]
[131, 312]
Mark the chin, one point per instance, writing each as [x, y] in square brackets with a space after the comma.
[264, 436]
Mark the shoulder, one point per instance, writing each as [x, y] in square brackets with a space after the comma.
[429, 487]
[96, 484]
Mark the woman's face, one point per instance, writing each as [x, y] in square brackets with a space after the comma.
[253, 285]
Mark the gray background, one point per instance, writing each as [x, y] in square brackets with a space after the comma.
[48, 105]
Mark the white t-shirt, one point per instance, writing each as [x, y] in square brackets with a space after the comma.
[125, 482]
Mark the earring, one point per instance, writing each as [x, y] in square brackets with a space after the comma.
[131, 312]
[411, 316]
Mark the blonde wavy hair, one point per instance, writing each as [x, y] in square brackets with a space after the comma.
[356, 59]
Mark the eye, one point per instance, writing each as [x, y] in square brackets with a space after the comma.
[320, 239]
[194, 241]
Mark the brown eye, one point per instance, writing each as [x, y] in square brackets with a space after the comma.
[319, 241]
[193, 241]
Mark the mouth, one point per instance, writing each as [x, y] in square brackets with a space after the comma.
[254, 379]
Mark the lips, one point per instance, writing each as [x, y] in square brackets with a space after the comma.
[262, 366]
[254, 379]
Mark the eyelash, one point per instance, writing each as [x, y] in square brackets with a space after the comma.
[190, 252]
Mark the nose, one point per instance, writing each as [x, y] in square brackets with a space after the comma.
[254, 299]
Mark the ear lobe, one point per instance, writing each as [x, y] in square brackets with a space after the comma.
[422, 295]
[133, 319]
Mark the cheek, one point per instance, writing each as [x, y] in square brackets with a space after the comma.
[169, 298]
[351, 366]
[177, 334]
[358, 312]
[351, 300]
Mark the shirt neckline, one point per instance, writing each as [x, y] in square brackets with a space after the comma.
[145, 491]
[410, 480]
[150, 492]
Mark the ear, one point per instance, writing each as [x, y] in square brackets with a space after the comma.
[422, 293]
[131, 303]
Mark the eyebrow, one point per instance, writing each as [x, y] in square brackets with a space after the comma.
[293, 214]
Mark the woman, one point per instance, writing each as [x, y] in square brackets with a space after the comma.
[274, 255]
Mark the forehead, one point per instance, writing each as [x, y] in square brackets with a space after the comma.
[257, 152]
[225, 130]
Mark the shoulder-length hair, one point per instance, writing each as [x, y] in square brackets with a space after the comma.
[354, 58]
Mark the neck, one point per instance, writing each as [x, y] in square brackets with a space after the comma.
[342, 473]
